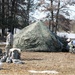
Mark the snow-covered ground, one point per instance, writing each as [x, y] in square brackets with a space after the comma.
[68, 35]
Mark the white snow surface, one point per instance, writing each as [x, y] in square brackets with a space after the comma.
[68, 35]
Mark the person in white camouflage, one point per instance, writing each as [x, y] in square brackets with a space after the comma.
[9, 42]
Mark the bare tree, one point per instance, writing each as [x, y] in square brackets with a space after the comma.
[57, 16]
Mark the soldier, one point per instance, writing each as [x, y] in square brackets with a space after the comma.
[9, 42]
[14, 53]
[68, 43]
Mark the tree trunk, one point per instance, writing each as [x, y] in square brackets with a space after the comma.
[3, 32]
[12, 15]
[3, 15]
[57, 15]
[28, 7]
[52, 19]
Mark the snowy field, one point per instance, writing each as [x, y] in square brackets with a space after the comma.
[67, 35]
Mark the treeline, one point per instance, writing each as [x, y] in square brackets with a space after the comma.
[56, 9]
[13, 14]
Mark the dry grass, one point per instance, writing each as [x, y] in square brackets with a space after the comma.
[64, 63]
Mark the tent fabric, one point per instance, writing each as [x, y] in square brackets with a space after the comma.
[36, 37]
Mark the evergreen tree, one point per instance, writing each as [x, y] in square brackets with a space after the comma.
[14, 14]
